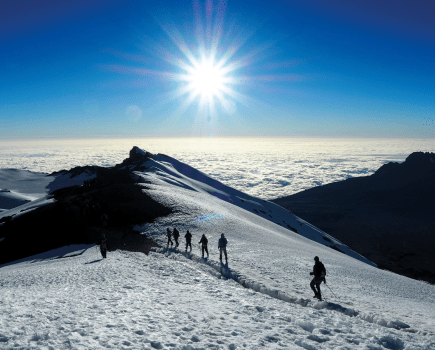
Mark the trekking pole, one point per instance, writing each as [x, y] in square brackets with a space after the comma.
[331, 291]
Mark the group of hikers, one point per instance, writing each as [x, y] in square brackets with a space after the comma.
[319, 271]
[222, 244]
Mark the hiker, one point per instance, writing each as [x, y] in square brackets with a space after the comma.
[169, 234]
[319, 273]
[204, 242]
[103, 246]
[104, 220]
[176, 234]
[188, 237]
[222, 245]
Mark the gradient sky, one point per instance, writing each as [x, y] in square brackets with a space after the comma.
[315, 68]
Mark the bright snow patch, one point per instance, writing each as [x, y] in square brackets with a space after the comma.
[134, 301]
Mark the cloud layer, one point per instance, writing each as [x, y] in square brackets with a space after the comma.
[262, 167]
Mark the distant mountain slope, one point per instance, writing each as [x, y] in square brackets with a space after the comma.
[10, 199]
[387, 217]
[38, 185]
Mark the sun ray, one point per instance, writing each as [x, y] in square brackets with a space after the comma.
[208, 66]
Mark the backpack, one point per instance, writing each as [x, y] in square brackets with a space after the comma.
[322, 268]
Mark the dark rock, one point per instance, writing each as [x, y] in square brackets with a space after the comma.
[75, 215]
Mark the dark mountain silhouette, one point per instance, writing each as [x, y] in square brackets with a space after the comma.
[388, 217]
[75, 215]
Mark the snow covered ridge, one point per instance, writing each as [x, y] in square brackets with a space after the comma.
[182, 175]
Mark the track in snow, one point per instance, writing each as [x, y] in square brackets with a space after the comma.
[259, 287]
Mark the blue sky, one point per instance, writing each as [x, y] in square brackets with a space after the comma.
[118, 69]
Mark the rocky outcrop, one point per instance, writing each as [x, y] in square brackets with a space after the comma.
[136, 159]
[75, 215]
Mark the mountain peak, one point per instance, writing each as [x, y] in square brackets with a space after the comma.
[421, 158]
[138, 154]
[418, 167]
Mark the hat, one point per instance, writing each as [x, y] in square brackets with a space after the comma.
[222, 234]
[316, 258]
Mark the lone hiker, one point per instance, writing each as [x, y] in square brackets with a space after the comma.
[169, 234]
[103, 246]
[104, 220]
[188, 237]
[176, 234]
[222, 245]
[319, 273]
[204, 242]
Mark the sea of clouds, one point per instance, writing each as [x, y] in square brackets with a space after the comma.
[264, 167]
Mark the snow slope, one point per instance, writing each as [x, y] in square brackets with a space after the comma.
[23, 190]
[134, 301]
[171, 300]
[262, 248]
[10, 199]
[38, 185]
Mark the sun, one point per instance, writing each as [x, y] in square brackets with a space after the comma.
[206, 79]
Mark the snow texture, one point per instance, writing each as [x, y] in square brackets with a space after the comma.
[134, 301]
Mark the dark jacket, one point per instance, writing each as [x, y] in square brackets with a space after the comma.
[188, 236]
[222, 242]
[319, 269]
[203, 240]
[176, 234]
[103, 244]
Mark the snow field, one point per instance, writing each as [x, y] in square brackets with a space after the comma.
[221, 271]
[134, 301]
